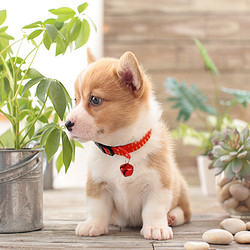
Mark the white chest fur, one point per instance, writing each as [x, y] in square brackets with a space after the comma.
[128, 194]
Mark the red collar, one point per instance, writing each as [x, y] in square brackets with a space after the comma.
[126, 149]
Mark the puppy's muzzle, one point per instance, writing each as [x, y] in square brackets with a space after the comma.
[69, 125]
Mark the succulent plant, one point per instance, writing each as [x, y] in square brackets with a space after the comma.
[231, 153]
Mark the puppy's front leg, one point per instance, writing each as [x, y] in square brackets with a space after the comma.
[154, 216]
[99, 213]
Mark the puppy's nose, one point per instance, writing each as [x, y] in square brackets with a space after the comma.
[69, 125]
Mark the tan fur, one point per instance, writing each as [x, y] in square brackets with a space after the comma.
[116, 102]
[163, 161]
[93, 188]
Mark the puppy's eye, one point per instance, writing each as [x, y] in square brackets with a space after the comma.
[95, 101]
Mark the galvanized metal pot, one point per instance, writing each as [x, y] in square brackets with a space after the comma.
[21, 190]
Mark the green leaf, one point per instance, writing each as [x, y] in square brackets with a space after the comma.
[186, 99]
[57, 97]
[67, 151]
[82, 7]
[3, 15]
[63, 13]
[7, 138]
[226, 158]
[43, 119]
[218, 151]
[52, 143]
[46, 41]
[52, 31]
[46, 133]
[3, 29]
[42, 89]
[61, 45]
[31, 83]
[6, 36]
[236, 165]
[209, 64]
[229, 174]
[83, 36]
[74, 33]
[241, 96]
[59, 162]
[33, 73]
[33, 25]
[92, 23]
[245, 170]
[34, 34]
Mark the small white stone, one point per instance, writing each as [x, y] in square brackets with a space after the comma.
[247, 202]
[242, 237]
[217, 236]
[196, 245]
[242, 209]
[239, 191]
[248, 225]
[233, 225]
[224, 193]
[231, 203]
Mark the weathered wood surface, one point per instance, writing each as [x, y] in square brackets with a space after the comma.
[63, 209]
[161, 34]
[175, 6]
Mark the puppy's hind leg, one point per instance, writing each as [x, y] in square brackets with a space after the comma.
[175, 217]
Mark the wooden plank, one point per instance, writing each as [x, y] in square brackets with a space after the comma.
[59, 234]
[122, 7]
[184, 55]
[153, 28]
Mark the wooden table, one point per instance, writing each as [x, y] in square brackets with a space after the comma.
[64, 208]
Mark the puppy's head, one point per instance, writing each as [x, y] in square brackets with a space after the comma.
[109, 94]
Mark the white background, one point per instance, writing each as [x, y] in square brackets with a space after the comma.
[64, 68]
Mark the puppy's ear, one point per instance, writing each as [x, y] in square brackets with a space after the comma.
[90, 56]
[129, 72]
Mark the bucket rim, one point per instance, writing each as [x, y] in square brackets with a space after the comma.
[21, 150]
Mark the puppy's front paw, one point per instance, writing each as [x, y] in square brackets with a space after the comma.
[157, 233]
[88, 228]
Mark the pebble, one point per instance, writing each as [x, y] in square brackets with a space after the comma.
[247, 202]
[248, 225]
[242, 209]
[242, 237]
[239, 191]
[222, 181]
[196, 245]
[233, 225]
[224, 193]
[231, 203]
[217, 236]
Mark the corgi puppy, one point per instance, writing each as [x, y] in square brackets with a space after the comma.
[133, 179]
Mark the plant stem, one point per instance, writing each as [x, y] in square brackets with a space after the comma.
[217, 99]
[8, 72]
[5, 49]
[32, 123]
[2, 144]
[20, 84]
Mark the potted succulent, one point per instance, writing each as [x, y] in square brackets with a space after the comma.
[191, 100]
[34, 105]
[231, 160]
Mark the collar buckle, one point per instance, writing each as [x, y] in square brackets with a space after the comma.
[105, 149]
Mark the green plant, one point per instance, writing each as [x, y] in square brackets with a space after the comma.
[190, 100]
[231, 153]
[31, 115]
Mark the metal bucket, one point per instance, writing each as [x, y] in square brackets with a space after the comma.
[21, 190]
